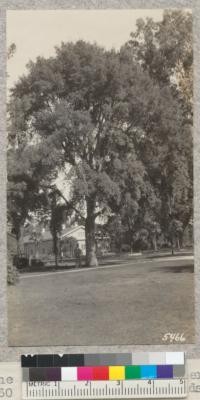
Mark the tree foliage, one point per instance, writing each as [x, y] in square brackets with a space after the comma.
[117, 121]
[164, 49]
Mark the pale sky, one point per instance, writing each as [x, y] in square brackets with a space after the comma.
[37, 32]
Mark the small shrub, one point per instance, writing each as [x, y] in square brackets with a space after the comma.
[125, 248]
[12, 274]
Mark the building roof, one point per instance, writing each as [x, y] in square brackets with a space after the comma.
[46, 235]
[68, 231]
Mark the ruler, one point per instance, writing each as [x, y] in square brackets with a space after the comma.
[133, 389]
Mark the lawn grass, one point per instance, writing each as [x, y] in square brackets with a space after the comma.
[134, 303]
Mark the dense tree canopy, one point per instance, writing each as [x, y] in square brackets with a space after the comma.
[165, 50]
[104, 119]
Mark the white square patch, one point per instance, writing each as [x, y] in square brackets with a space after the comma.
[69, 374]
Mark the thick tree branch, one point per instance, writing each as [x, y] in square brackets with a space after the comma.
[69, 204]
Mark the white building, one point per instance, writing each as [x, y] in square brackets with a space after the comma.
[40, 245]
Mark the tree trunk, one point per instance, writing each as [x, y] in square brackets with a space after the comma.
[172, 246]
[132, 247]
[130, 242]
[178, 243]
[155, 247]
[91, 258]
[55, 248]
[18, 246]
[181, 239]
[56, 259]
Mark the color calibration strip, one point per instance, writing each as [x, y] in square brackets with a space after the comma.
[103, 359]
[106, 367]
[104, 373]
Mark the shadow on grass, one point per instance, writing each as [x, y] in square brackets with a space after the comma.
[175, 269]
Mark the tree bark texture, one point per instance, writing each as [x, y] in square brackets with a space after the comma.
[91, 258]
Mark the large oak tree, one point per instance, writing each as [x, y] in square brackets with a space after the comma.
[87, 112]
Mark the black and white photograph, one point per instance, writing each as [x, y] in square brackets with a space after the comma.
[100, 177]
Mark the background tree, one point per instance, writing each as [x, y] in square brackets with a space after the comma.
[116, 232]
[175, 230]
[165, 50]
[56, 220]
[27, 182]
